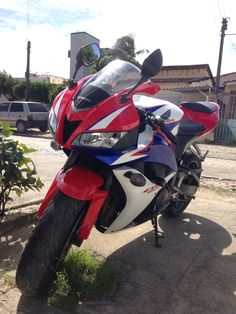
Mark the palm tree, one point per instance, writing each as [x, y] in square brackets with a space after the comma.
[127, 44]
[123, 49]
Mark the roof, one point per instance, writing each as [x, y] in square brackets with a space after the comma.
[226, 78]
[76, 33]
[185, 77]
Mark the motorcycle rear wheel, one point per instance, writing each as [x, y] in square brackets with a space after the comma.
[48, 245]
[177, 206]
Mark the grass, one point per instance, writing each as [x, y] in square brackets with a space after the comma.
[7, 282]
[83, 277]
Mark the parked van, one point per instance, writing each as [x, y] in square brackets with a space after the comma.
[24, 115]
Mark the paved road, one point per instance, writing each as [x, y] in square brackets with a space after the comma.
[220, 163]
[48, 162]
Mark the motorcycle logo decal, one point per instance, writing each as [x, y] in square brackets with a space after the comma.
[166, 115]
[152, 188]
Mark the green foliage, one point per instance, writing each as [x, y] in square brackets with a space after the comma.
[19, 90]
[7, 83]
[126, 43]
[83, 277]
[17, 172]
[41, 91]
[54, 90]
[124, 49]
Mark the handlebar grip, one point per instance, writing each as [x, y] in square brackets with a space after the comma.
[158, 122]
[167, 132]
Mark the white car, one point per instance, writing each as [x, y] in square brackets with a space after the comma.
[24, 115]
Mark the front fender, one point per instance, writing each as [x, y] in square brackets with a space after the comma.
[77, 182]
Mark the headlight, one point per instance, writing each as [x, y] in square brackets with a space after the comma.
[52, 121]
[103, 140]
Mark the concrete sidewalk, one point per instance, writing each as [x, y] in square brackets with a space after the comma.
[193, 272]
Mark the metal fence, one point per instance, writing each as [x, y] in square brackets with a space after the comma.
[226, 129]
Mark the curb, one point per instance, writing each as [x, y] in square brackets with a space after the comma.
[217, 178]
[26, 204]
[19, 218]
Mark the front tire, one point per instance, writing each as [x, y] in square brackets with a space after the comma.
[48, 245]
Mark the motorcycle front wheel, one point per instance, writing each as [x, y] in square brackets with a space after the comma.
[48, 245]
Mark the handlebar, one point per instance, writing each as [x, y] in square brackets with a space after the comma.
[158, 122]
[166, 131]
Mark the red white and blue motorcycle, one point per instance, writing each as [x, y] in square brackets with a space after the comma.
[131, 157]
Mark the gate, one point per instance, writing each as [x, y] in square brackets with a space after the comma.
[226, 129]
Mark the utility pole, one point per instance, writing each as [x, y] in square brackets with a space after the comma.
[27, 73]
[223, 29]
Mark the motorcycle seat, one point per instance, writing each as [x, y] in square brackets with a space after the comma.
[200, 106]
[188, 127]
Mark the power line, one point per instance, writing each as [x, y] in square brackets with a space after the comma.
[28, 16]
[233, 45]
[218, 5]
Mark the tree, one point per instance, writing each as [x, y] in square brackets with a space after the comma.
[7, 83]
[54, 90]
[123, 49]
[126, 43]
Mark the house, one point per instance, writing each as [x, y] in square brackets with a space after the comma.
[181, 83]
[196, 83]
[34, 77]
[226, 131]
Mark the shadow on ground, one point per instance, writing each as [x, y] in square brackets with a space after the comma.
[189, 274]
[12, 244]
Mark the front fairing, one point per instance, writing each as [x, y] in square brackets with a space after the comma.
[109, 115]
[78, 113]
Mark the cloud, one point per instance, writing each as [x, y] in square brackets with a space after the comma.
[186, 31]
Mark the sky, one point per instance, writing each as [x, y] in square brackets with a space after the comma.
[186, 31]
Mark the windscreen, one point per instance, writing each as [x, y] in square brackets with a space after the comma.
[118, 75]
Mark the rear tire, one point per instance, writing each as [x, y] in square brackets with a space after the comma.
[21, 126]
[177, 206]
[43, 128]
[48, 245]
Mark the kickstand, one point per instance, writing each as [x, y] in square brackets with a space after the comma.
[157, 236]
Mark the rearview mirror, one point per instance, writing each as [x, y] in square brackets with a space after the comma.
[152, 64]
[88, 55]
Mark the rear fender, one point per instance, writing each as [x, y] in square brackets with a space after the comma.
[77, 182]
